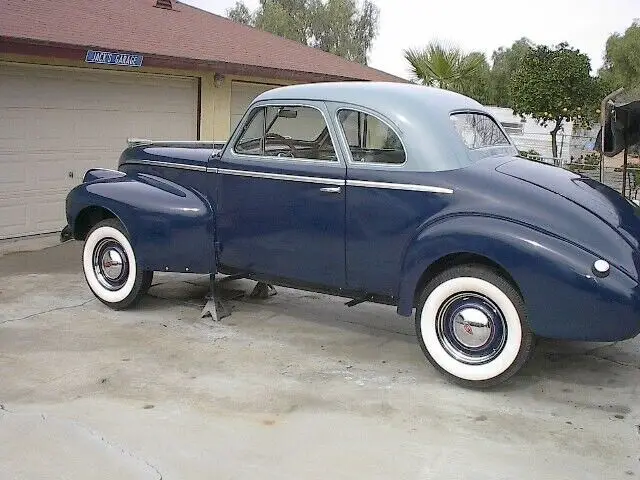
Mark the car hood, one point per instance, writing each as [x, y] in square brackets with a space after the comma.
[599, 199]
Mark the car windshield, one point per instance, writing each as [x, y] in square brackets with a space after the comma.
[478, 130]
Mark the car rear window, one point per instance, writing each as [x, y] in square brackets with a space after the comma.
[478, 130]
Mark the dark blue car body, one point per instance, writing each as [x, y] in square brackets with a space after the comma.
[380, 232]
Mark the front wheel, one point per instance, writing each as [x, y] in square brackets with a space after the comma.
[110, 266]
[472, 326]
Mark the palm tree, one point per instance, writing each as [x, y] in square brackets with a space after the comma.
[443, 66]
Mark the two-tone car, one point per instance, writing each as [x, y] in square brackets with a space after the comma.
[390, 193]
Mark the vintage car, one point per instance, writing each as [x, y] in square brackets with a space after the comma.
[390, 193]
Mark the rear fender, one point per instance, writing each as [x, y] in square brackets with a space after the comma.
[171, 227]
[563, 298]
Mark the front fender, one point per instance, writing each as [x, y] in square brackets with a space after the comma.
[564, 299]
[171, 227]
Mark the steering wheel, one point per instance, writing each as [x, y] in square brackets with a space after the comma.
[286, 141]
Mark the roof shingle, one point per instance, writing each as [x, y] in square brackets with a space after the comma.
[185, 32]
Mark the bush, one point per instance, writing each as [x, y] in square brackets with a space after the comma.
[531, 154]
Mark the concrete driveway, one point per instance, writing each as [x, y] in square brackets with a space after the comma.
[294, 387]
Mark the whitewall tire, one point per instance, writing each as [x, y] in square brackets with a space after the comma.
[110, 266]
[472, 326]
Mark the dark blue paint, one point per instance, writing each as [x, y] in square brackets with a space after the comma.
[170, 227]
[282, 228]
[542, 225]
[382, 222]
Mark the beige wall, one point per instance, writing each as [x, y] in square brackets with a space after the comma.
[215, 96]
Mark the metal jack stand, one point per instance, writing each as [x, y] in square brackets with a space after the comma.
[215, 306]
[218, 308]
[263, 291]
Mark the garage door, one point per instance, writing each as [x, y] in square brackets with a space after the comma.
[242, 94]
[57, 123]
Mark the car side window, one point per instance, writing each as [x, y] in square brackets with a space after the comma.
[370, 139]
[287, 131]
[250, 142]
[478, 130]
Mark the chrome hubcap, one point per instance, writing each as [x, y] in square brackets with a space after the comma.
[471, 328]
[110, 264]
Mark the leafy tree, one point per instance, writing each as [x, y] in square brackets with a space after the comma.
[622, 59]
[479, 85]
[553, 85]
[335, 26]
[442, 66]
[241, 14]
[285, 18]
[505, 63]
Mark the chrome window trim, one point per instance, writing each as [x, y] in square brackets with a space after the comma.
[398, 186]
[298, 160]
[379, 118]
[281, 176]
[333, 181]
[157, 163]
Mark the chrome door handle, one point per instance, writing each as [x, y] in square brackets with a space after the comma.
[330, 189]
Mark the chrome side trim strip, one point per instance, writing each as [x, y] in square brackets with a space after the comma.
[280, 176]
[398, 186]
[157, 163]
[333, 181]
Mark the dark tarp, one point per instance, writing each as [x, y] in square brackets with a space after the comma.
[621, 129]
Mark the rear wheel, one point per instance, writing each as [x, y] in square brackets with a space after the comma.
[472, 326]
[110, 266]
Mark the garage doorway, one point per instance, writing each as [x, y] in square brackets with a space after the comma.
[56, 123]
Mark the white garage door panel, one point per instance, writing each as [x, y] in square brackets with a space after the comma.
[18, 215]
[242, 94]
[56, 121]
[12, 216]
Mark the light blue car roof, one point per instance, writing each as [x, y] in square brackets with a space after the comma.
[377, 95]
[421, 115]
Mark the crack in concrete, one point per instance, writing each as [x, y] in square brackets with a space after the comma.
[372, 327]
[11, 320]
[184, 303]
[593, 350]
[195, 284]
[120, 449]
[590, 354]
[615, 362]
[101, 438]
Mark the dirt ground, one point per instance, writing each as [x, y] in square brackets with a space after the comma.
[297, 386]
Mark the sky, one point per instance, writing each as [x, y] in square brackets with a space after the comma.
[485, 25]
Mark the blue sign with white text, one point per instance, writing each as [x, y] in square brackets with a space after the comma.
[114, 58]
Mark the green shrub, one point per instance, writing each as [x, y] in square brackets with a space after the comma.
[531, 154]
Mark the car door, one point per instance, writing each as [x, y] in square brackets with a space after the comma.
[280, 201]
[387, 198]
